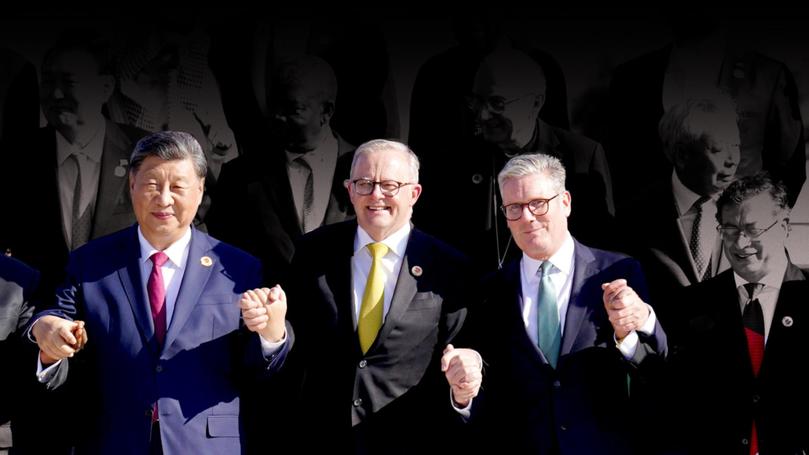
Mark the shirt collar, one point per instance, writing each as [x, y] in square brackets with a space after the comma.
[93, 149]
[326, 147]
[684, 197]
[176, 251]
[772, 280]
[396, 242]
[562, 260]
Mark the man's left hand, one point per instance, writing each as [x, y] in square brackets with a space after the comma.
[626, 310]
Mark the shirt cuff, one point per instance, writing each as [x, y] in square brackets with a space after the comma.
[465, 411]
[629, 344]
[44, 375]
[269, 349]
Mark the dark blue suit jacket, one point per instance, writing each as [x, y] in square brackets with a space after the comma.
[207, 361]
[582, 406]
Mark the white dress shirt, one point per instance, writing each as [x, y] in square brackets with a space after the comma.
[391, 265]
[767, 297]
[89, 158]
[323, 162]
[685, 199]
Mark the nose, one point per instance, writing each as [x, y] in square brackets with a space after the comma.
[484, 113]
[743, 243]
[377, 191]
[57, 93]
[527, 213]
[164, 198]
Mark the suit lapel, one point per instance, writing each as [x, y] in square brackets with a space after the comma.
[132, 284]
[510, 293]
[195, 278]
[339, 280]
[112, 196]
[577, 308]
[794, 288]
[406, 284]
[279, 193]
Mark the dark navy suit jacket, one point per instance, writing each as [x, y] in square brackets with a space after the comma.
[582, 406]
[198, 376]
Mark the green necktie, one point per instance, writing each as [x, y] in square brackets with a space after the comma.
[550, 338]
[370, 319]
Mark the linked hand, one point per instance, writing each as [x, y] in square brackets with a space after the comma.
[462, 368]
[264, 312]
[58, 338]
[626, 310]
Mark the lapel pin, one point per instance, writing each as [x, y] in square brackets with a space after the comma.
[787, 321]
[120, 169]
[477, 178]
[416, 270]
[206, 261]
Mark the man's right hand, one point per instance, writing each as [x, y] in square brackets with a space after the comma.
[58, 338]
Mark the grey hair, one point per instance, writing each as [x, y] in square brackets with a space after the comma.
[684, 125]
[534, 164]
[378, 145]
[169, 145]
[751, 186]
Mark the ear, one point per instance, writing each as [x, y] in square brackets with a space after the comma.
[107, 86]
[539, 101]
[327, 112]
[415, 192]
[567, 203]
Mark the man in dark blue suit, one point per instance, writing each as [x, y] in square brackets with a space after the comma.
[169, 356]
[563, 329]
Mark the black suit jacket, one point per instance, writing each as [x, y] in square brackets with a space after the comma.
[36, 233]
[575, 408]
[254, 209]
[393, 399]
[716, 394]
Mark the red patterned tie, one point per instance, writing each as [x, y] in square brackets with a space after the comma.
[157, 302]
[754, 330]
[157, 296]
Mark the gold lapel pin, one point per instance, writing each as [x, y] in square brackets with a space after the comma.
[416, 270]
[206, 261]
[787, 321]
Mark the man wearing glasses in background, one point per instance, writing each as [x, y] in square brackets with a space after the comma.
[739, 362]
[378, 303]
[564, 329]
[508, 95]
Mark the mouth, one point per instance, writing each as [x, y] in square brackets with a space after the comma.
[742, 256]
[162, 215]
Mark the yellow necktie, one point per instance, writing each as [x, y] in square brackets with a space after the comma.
[372, 300]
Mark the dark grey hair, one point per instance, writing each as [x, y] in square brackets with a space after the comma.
[377, 145]
[534, 164]
[169, 145]
[751, 186]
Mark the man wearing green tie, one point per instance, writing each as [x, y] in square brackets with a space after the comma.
[564, 330]
[376, 304]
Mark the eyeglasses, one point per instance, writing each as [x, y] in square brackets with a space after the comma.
[538, 207]
[389, 188]
[495, 104]
[732, 233]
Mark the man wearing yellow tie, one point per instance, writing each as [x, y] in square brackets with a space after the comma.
[376, 303]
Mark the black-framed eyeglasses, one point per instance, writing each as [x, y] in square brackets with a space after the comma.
[538, 207]
[364, 187]
[732, 233]
[495, 104]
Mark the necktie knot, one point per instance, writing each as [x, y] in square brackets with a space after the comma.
[378, 250]
[700, 202]
[544, 269]
[753, 290]
[159, 258]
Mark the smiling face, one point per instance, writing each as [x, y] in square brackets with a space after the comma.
[165, 198]
[537, 236]
[377, 214]
[752, 259]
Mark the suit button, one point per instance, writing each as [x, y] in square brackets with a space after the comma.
[358, 402]
[563, 427]
[363, 363]
[745, 441]
[159, 368]
[557, 384]
[756, 398]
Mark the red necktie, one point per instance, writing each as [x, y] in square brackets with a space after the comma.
[157, 302]
[157, 296]
[754, 330]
